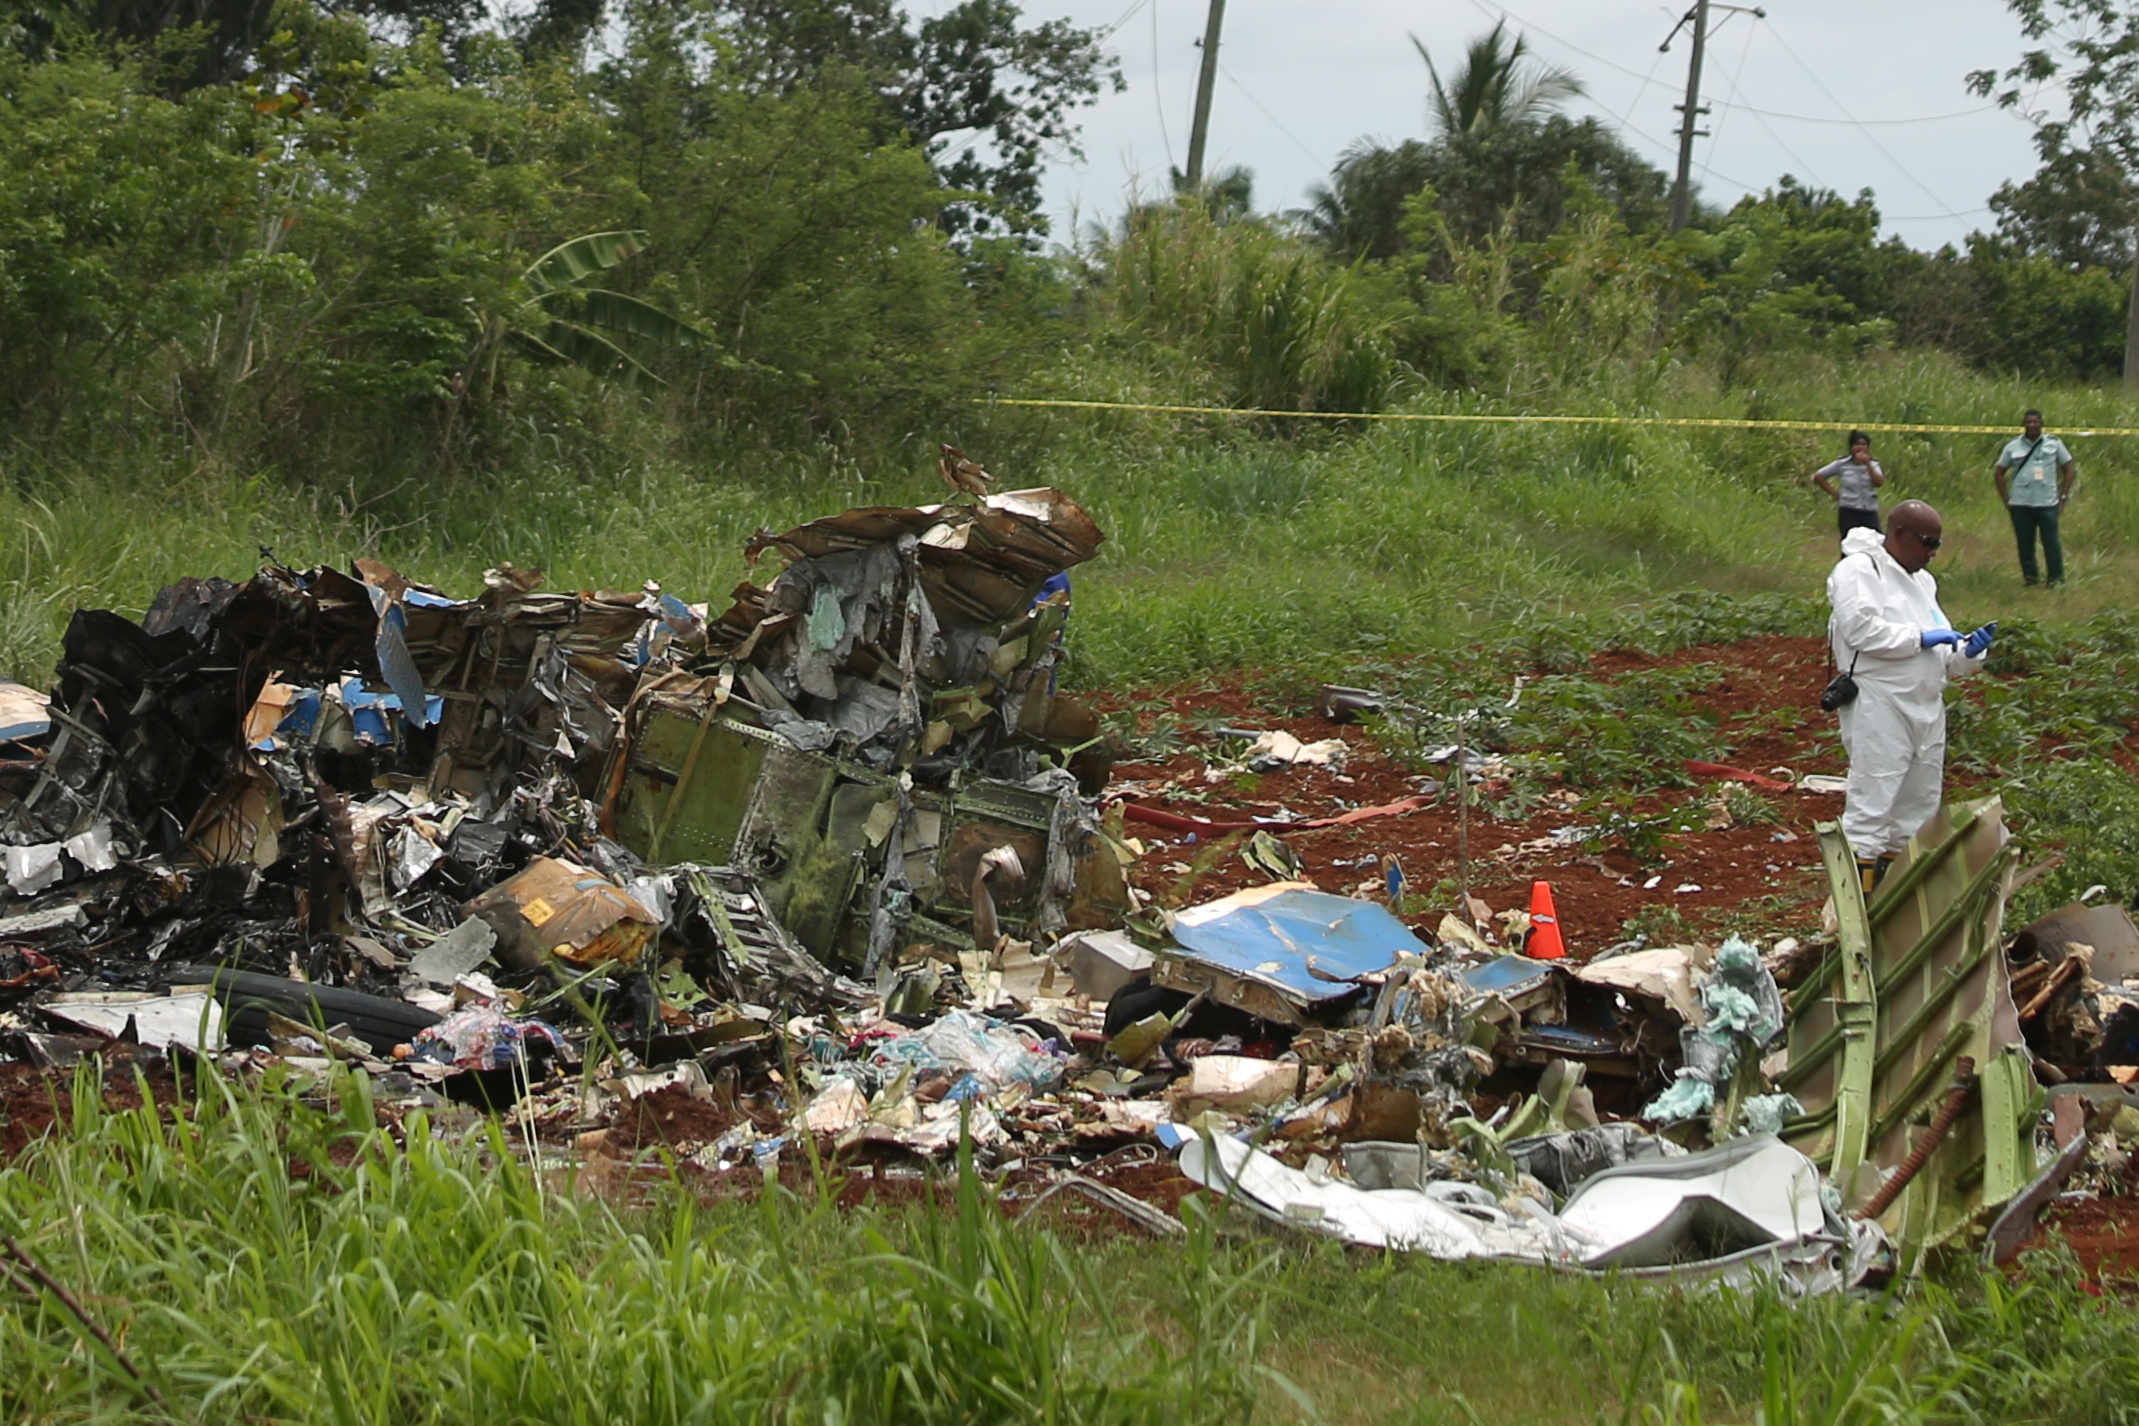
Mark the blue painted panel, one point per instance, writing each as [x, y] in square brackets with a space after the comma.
[1284, 938]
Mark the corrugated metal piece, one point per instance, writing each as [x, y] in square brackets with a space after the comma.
[1916, 982]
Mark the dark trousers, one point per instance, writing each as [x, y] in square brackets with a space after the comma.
[1850, 519]
[2028, 521]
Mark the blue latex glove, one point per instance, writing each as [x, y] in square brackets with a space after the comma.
[1979, 642]
[1934, 637]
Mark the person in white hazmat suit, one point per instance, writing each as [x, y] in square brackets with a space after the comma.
[1890, 635]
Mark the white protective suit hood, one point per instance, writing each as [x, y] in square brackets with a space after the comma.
[1862, 541]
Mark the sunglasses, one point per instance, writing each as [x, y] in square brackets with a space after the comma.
[1930, 543]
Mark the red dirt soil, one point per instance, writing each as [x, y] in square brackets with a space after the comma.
[1595, 896]
[33, 1100]
[2102, 1232]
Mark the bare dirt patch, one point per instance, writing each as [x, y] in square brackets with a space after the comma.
[1763, 878]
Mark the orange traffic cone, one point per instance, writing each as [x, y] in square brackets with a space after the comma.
[1543, 943]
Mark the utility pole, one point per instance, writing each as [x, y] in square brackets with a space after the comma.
[1682, 190]
[1692, 110]
[1199, 133]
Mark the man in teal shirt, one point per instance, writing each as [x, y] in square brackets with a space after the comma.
[2034, 478]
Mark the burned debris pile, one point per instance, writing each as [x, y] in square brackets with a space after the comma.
[839, 859]
[353, 781]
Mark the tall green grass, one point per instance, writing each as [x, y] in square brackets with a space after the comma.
[269, 1259]
[1226, 546]
[266, 1261]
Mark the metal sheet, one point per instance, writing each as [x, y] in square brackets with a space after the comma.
[1743, 1194]
[1306, 945]
[1751, 1208]
[674, 806]
[1509, 977]
[24, 712]
[1917, 982]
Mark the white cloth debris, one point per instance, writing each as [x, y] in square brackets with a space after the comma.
[1278, 748]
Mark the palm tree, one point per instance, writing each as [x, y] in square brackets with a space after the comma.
[1498, 85]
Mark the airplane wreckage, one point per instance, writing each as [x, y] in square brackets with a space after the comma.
[845, 848]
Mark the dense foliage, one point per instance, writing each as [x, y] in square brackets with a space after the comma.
[328, 262]
[321, 237]
[389, 276]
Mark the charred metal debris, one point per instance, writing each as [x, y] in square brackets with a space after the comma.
[838, 860]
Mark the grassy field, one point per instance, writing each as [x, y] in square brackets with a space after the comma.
[1226, 545]
[446, 1282]
[443, 1282]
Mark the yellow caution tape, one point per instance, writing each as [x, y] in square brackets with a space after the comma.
[1721, 422]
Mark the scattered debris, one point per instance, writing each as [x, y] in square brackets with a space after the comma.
[1744, 1210]
[834, 864]
[1279, 749]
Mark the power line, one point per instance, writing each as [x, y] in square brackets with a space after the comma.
[1869, 137]
[1506, 13]
[1861, 123]
[1126, 16]
[1931, 217]
[1623, 125]
[1672, 149]
[1788, 152]
[1642, 89]
[1502, 12]
[1312, 156]
[1498, 11]
[1715, 136]
[1758, 117]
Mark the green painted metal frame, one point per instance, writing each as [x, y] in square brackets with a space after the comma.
[1876, 1030]
[1856, 1006]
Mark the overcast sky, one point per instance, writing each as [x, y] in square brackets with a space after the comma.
[1846, 94]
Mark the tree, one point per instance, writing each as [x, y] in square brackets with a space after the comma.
[798, 224]
[113, 202]
[1526, 167]
[2091, 48]
[1793, 269]
[32, 27]
[1228, 193]
[1279, 324]
[1360, 211]
[2079, 211]
[1519, 177]
[1497, 86]
[224, 33]
[558, 26]
[562, 321]
[983, 95]
[1501, 161]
